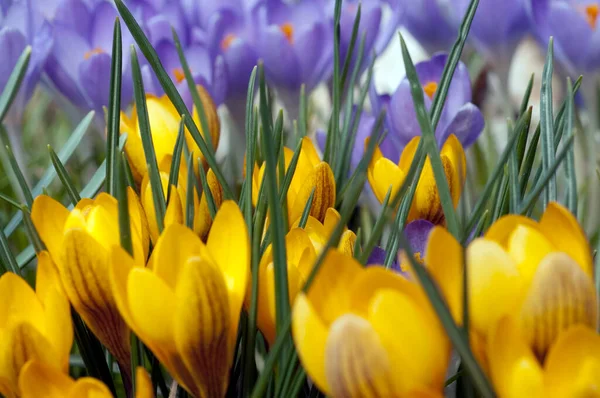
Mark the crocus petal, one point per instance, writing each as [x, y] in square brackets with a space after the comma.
[408, 154]
[514, 369]
[466, 125]
[560, 296]
[356, 363]
[571, 368]
[202, 218]
[417, 233]
[89, 387]
[94, 72]
[49, 217]
[21, 302]
[143, 388]
[84, 273]
[203, 327]
[494, 283]
[502, 229]
[347, 241]
[229, 246]
[322, 181]
[38, 380]
[565, 233]
[528, 246]
[384, 176]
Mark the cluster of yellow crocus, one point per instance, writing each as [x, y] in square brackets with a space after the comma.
[34, 325]
[369, 332]
[80, 242]
[302, 247]
[530, 284]
[310, 174]
[185, 304]
[164, 126]
[177, 200]
[383, 175]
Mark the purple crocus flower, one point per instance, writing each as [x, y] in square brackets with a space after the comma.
[295, 41]
[497, 27]
[80, 62]
[459, 116]
[429, 23]
[574, 26]
[22, 25]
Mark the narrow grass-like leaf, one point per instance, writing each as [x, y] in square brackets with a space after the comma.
[7, 255]
[212, 207]
[570, 161]
[331, 142]
[10, 201]
[547, 124]
[479, 227]
[14, 82]
[527, 165]
[282, 304]
[289, 174]
[171, 91]
[20, 178]
[190, 190]
[351, 44]
[303, 114]
[189, 79]
[32, 233]
[176, 160]
[391, 249]
[158, 194]
[306, 211]
[114, 110]
[525, 100]
[64, 177]
[26, 256]
[123, 206]
[530, 199]
[430, 143]
[513, 173]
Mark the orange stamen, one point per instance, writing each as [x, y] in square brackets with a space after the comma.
[405, 267]
[226, 42]
[288, 31]
[95, 51]
[179, 75]
[591, 14]
[430, 88]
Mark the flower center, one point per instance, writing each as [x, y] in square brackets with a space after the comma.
[591, 14]
[288, 31]
[227, 41]
[95, 51]
[179, 75]
[430, 88]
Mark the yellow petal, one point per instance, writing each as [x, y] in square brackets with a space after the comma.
[174, 213]
[528, 246]
[203, 327]
[46, 275]
[332, 218]
[408, 154]
[514, 369]
[347, 241]
[148, 205]
[444, 260]
[84, 273]
[310, 336]
[229, 246]
[502, 229]
[88, 387]
[38, 380]
[103, 227]
[308, 149]
[356, 364]
[411, 334]
[214, 125]
[322, 181]
[329, 292]
[139, 224]
[383, 175]
[49, 217]
[316, 232]
[573, 364]
[202, 218]
[454, 152]
[133, 146]
[561, 296]
[143, 388]
[58, 324]
[19, 302]
[494, 284]
[565, 233]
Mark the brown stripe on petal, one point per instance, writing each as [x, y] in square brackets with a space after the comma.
[561, 295]
[324, 197]
[28, 343]
[356, 363]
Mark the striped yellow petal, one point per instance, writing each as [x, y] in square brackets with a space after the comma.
[202, 218]
[49, 218]
[561, 295]
[322, 181]
[383, 174]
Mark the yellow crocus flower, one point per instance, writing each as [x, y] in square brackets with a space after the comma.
[33, 325]
[39, 380]
[185, 306]
[80, 242]
[164, 125]
[570, 369]
[302, 247]
[383, 174]
[541, 272]
[176, 204]
[311, 173]
[369, 332]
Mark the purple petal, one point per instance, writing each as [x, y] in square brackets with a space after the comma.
[403, 118]
[94, 74]
[390, 25]
[102, 27]
[427, 23]
[417, 233]
[307, 52]
[572, 35]
[467, 125]
[321, 138]
[75, 15]
[281, 64]
[239, 58]
[377, 256]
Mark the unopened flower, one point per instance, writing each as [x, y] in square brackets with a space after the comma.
[357, 327]
[33, 325]
[302, 247]
[311, 174]
[80, 242]
[538, 272]
[185, 306]
[164, 126]
[39, 380]
[384, 174]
